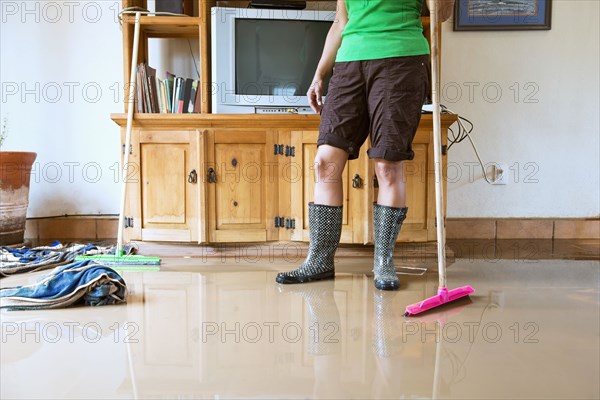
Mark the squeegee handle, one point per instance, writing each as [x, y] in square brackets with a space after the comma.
[437, 144]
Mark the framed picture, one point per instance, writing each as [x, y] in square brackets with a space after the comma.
[500, 15]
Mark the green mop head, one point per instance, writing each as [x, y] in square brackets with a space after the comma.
[130, 262]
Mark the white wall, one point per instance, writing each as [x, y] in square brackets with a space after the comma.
[49, 47]
[558, 135]
[555, 141]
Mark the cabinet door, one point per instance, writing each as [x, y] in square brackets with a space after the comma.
[302, 190]
[164, 196]
[242, 199]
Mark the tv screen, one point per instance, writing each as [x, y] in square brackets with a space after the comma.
[277, 57]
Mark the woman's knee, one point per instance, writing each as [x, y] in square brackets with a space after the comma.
[330, 161]
[389, 172]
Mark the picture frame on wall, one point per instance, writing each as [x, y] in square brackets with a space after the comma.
[502, 15]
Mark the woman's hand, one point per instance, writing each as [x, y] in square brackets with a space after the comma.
[327, 61]
[315, 95]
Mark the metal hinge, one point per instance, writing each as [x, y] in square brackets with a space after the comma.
[130, 149]
[128, 222]
[280, 150]
[290, 151]
[287, 223]
[290, 223]
[279, 221]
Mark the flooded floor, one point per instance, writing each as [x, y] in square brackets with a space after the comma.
[218, 328]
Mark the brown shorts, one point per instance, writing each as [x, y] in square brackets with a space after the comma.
[383, 97]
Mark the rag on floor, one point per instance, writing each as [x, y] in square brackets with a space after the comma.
[25, 259]
[83, 282]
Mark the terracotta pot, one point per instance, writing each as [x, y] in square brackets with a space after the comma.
[15, 170]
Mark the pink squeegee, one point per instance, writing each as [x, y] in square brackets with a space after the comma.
[443, 295]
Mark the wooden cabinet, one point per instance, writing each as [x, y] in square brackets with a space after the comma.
[163, 196]
[222, 178]
[243, 185]
[246, 178]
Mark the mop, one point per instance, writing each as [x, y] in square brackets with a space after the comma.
[444, 295]
[128, 261]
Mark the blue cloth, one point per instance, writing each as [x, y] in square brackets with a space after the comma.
[84, 282]
[25, 259]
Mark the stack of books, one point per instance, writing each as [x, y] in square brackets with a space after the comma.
[173, 95]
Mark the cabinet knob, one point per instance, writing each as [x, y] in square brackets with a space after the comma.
[234, 162]
[235, 203]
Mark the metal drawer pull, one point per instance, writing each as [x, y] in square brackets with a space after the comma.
[193, 176]
[357, 182]
[212, 175]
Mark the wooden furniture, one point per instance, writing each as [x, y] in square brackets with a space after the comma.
[210, 178]
[216, 178]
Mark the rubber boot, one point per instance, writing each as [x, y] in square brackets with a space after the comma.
[325, 225]
[386, 224]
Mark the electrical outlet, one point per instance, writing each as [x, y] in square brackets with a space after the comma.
[500, 174]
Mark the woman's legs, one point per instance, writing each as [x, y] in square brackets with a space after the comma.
[329, 165]
[392, 185]
[388, 215]
[325, 219]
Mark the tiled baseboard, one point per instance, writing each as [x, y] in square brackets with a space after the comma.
[520, 228]
[105, 227]
[71, 228]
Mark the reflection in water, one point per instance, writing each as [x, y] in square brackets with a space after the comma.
[234, 334]
[324, 339]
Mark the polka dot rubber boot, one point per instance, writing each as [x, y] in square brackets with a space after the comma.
[387, 222]
[325, 225]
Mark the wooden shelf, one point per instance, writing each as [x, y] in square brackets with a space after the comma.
[201, 121]
[167, 27]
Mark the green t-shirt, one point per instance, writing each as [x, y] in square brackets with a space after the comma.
[382, 29]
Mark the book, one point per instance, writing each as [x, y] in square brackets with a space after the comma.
[178, 96]
[161, 96]
[139, 102]
[187, 92]
[198, 101]
[174, 94]
[193, 97]
[169, 81]
[151, 76]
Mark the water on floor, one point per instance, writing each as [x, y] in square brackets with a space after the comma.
[200, 330]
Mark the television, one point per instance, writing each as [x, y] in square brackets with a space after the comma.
[264, 60]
